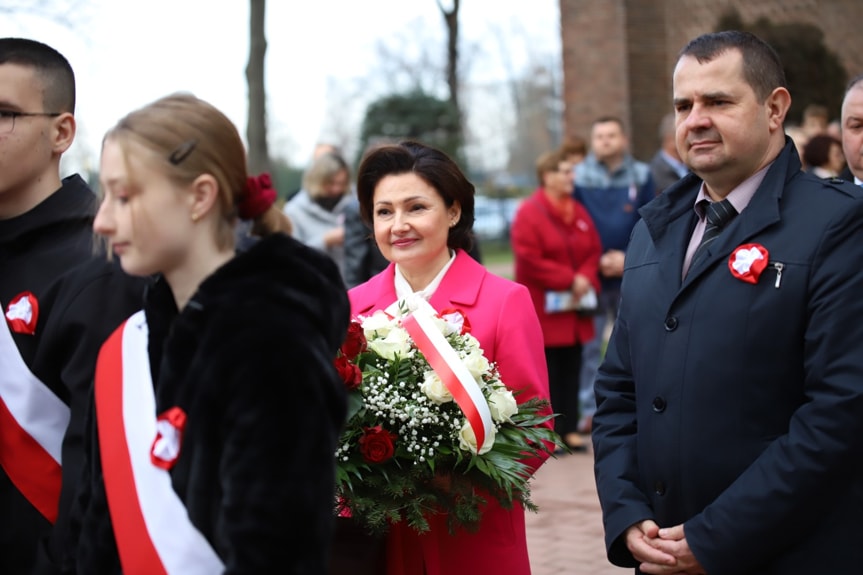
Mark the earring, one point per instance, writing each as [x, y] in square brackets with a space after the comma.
[195, 217]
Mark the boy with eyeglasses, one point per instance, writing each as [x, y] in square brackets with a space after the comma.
[59, 302]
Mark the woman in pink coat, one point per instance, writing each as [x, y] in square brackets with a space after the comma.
[557, 251]
[422, 210]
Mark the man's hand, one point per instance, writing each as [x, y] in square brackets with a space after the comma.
[639, 538]
[672, 541]
[611, 264]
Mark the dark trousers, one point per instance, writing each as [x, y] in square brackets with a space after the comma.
[564, 365]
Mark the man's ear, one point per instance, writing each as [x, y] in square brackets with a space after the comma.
[204, 196]
[778, 104]
[63, 130]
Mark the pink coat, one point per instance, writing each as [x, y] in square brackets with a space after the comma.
[503, 319]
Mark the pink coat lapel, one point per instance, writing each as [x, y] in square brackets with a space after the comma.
[460, 287]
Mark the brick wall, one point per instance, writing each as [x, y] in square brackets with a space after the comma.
[618, 55]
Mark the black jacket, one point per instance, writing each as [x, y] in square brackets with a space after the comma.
[49, 242]
[250, 361]
[732, 403]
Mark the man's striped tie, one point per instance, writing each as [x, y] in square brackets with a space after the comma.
[717, 215]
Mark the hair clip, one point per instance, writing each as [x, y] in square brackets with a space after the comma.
[182, 152]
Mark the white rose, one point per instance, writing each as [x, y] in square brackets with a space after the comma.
[439, 324]
[471, 343]
[377, 325]
[502, 405]
[467, 439]
[476, 364]
[435, 389]
[396, 343]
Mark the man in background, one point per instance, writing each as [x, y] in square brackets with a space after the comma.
[852, 128]
[665, 166]
[612, 186]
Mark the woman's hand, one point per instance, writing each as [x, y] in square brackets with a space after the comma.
[580, 285]
[334, 237]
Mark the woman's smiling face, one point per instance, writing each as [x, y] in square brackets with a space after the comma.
[412, 222]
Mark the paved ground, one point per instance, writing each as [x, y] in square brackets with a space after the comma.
[566, 535]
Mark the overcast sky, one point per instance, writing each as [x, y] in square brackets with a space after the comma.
[128, 53]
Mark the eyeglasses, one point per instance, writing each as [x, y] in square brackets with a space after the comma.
[7, 118]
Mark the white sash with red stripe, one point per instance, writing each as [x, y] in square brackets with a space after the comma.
[32, 423]
[151, 524]
[444, 360]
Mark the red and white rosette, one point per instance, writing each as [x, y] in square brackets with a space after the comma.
[748, 261]
[169, 435]
[444, 360]
[23, 313]
[33, 420]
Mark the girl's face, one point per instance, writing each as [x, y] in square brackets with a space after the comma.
[412, 223]
[146, 217]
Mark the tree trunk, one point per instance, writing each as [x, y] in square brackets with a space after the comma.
[451, 19]
[256, 130]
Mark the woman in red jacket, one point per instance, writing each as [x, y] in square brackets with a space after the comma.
[557, 251]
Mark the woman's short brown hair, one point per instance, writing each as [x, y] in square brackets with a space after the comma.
[432, 165]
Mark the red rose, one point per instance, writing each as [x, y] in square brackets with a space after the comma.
[349, 372]
[376, 444]
[355, 341]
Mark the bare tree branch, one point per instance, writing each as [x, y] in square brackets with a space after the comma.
[70, 14]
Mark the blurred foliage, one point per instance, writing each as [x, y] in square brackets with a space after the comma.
[287, 179]
[814, 72]
[414, 115]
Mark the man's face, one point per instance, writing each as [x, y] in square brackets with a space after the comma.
[852, 129]
[25, 152]
[607, 141]
[722, 129]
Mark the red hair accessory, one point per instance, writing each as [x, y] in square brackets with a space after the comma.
[257, 198]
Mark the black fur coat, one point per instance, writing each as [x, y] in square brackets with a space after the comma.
[249, 360]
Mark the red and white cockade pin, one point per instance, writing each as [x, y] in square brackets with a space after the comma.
[169, 437]
[23, 313]
[747, 262]
[456, 318]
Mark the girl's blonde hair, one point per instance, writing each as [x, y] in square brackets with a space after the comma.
[189, 137]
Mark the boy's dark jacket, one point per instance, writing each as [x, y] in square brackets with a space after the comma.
[49, 251]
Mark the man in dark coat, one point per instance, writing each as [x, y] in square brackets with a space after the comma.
[728, 435]
[665, 166]
[50, 335]
[852, 130]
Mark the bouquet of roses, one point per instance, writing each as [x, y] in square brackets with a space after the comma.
[431, 427]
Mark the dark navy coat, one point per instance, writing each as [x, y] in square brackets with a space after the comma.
[737, 408]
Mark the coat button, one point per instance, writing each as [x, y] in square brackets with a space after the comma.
[659, 488]
[658, 404]
[670, 323]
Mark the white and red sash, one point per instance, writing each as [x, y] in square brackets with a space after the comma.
[445, 362]
[33, 421]
[151, 524]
